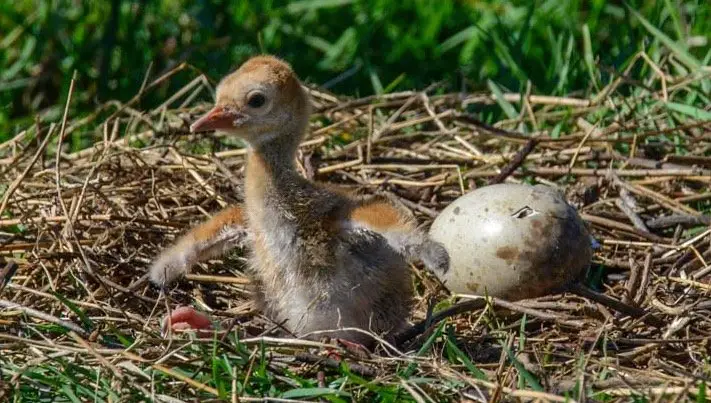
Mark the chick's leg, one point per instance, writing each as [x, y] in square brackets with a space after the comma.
[401, 234]
[214, 237]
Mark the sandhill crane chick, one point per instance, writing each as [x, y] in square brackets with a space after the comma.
[324, 261]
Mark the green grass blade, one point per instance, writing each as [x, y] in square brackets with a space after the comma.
[505, 105]
[479, 374]
[375, 82]
[317, 43]
[701, 396]
[74, 308]
[70, 394]
[521, 346]
[425, 347]
[565, 69]
[589, 57]
[530, 379]
[311, 5]
[676, 19]
[689, 110]
[312, 392]
[457, 39]
[394, 83]
[674, 46]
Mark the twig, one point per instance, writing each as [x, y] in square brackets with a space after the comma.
[19, 179]
[41, 315]
[634, 217]
[623, 227]
[6, 274]
[678, 219]
[114, 370]
[515, 162]
[641, 291]
[631, 284]
[93, 217]
[331, 363]
[619, 306]
[195, 384]
[639, 173]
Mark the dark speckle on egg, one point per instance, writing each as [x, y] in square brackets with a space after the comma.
[508, 253]
[473, 287]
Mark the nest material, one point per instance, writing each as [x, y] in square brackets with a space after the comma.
[82, 228]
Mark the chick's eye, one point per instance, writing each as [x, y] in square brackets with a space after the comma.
[256, 100]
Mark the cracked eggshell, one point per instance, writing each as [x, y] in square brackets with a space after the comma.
[512, 241]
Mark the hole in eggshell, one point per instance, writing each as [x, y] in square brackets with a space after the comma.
[524, 212]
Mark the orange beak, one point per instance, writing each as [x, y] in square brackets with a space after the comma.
[218, 118]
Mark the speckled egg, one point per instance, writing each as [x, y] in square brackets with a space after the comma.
[512, 241]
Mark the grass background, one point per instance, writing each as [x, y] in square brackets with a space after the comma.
[354, 47]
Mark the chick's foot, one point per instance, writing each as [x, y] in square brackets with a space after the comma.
[186, 318]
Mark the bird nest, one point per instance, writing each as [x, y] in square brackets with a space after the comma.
[78, 317]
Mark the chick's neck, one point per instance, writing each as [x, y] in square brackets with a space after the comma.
[270, 165]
